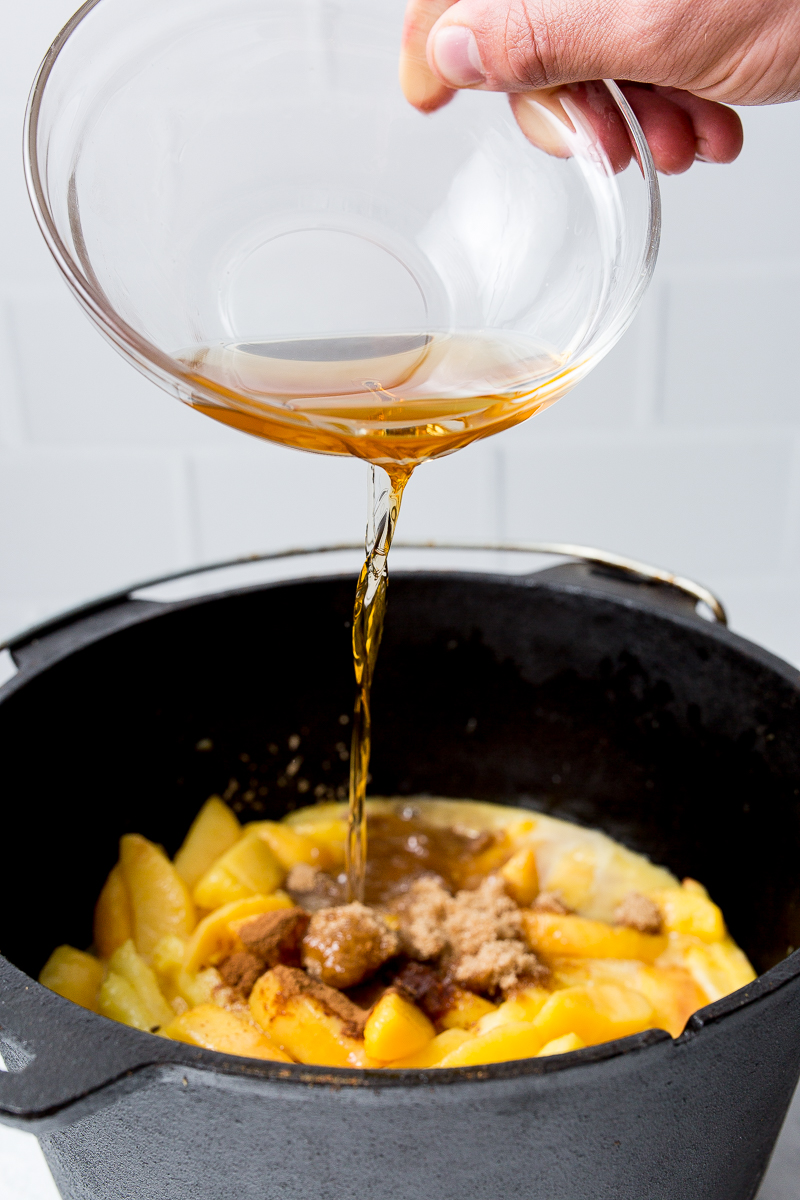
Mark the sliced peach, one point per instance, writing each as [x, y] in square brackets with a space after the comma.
[596, 1013]
[718, 968]
[396, 1029]
[113, 919]
[302, 1027]
[214, 939]
[326, 832]
[160, 900]
[562, 1045]
[521, 876]
[516, 1039]
[120, 1001]
[552, 935]
[127, 963]
[213, 831]
[465, 1009]
[217, 1029]
[432, 1054]
[524, 1006]
[248, 869]
[685, 910]
[291, 847]
[74, 975]
[672, 991]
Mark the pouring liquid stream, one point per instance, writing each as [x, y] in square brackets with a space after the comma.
[369, 611]
[393, 400]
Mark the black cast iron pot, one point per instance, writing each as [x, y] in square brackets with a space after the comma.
[573, 691]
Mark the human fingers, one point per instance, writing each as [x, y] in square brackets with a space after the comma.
[578, 118]
[667, 127]
[717, 129]
[736, 51]
[420, 86]
[516, 45]
[582, 118]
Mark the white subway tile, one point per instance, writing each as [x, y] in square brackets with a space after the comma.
[11, 422]
[24, 257]
[766, 610]
[28, 30]
[746, 210]
[698, 505]
[455, 498]
[606, 397]
[729, 357]
[76, 526]
[14, 618]
[78, 391]
[268, 498]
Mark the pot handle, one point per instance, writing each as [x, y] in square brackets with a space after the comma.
[57, 1053]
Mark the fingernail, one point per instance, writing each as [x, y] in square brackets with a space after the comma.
[456, 57]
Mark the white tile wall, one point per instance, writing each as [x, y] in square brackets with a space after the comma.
[683, 448]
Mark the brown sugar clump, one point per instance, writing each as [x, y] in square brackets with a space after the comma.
[240, 971]
[423, 986]
[550, 902]
[423, 912]
[345, 945]
[639, 912]
[302, 878]
[477, 935]
[486, 934]
[499, 966]
[275, 937]
[486, 914]
[312, 888]
[294, 983]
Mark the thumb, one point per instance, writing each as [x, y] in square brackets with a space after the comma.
[421, 87]
[530, 44]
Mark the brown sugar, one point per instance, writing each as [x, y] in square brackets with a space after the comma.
[302, 878]
[478, 935]
[345, 945]
[499, 966]
[275, 937]
[550, 902]
[639, 912]
[294, 983]
[423, 912]
[486, 914]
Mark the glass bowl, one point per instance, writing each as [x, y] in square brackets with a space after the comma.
[248, 208]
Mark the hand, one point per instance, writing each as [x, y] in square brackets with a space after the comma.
[676, 60]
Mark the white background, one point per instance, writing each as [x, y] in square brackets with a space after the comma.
[683, 449]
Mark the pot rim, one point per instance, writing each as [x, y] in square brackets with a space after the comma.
[708, 603]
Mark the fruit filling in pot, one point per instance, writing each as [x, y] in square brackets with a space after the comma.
[487, 934]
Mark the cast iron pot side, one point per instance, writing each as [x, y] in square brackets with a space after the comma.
[572, 691]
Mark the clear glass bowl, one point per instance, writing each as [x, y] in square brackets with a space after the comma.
[248, 208]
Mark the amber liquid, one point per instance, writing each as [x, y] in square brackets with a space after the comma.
[393, 400]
